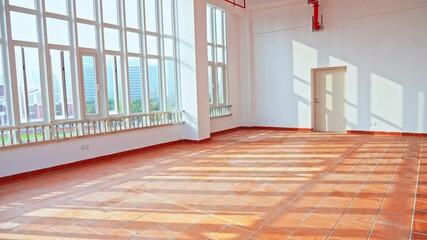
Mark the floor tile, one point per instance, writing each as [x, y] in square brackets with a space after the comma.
[256, 184]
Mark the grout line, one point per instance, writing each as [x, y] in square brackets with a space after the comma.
[314, 209]
[388, 187]
[361, 188]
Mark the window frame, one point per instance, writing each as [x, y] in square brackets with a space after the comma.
[141, 55]
[83, 53]
[215, 64]
[67, 11]
[18, 118]
[72, 31]
[104, 53]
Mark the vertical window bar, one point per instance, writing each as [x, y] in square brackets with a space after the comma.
[64, 86]
[24, 74]
[116, 82]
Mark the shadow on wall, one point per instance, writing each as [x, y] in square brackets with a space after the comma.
[374, 103]
[386, 74]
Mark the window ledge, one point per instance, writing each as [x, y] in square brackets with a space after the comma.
[220, 111]
[44, 133]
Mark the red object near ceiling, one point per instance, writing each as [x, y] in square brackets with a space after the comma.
[315, 20]
[242, 5]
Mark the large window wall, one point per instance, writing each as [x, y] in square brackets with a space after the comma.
[64, 60]
[217, 57]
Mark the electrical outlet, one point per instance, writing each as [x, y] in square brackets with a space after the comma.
[84, 147]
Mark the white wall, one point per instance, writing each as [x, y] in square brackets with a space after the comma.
[193, 65]
[383, 43]
[34, 157]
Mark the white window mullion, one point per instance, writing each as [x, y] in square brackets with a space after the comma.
[144, 72]
[162, 73]
[177, 66]
[86, 21]
[103, 89]
[45, 64]
[124, 58]
[76, 63]
[144, 36]
[59, 47]
[58, 16]
[24, 10]
[24, 43]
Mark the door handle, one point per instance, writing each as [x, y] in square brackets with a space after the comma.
[316, 101]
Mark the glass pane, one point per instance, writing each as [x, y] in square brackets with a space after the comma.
[210, 53]
[219, 27]
[109, 11]
[210, 85]
[87, 35]
[135, 85]
[57, 31]
[170, 85]
[114, 84]
[85, 9]
[154, 84]
[61, 86]
[30, 90]
[132, 16]
[4, 119]
[220, 85]
[56, 6]
[23, 3]
[151, 15]
[220, 55]
[133, 42]
[24, 27]
[112, 40]
[90, 84]
[152, 45]
[169, 49]
[167, 17]
[209, 23]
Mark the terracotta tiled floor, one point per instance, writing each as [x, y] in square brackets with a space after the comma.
[249, 184]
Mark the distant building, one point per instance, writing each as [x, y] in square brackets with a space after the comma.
[135, 81]
[89, 80]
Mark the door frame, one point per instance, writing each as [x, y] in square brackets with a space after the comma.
[313, 91]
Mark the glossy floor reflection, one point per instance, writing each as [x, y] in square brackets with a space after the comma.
[248, 184]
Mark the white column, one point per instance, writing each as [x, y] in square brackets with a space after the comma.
[193, 65]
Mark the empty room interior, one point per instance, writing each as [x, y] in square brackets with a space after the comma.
[213, 119]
